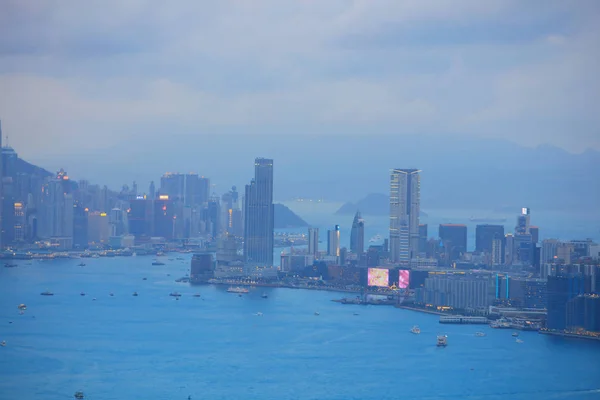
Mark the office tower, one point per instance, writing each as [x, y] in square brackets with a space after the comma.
[560, 290]
[164, 217]
[197, 190]
[333, 242]
[535, 234]
[454, 239]
[80, 226]
[422, 239]
[405, 198]
[259, 215]
[118, 222]
[229, 208]
[509, 249]
[59, 207]
[98, 227]
[357, 235]
[214, 217]
[172, 185]
[497, 251]
[152, 191]
[313, 242]
[522, 242]
[138, 216]
[485, 235]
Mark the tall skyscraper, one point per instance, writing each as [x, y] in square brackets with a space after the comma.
[313, 241]
[197, 190]
[405, 199]
[259, 215]
[152, 191]
[173, 184]
[357, 235]
[523, 240]
[333, 242]
[423, 239]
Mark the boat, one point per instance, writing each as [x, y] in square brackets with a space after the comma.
[356, 313]
[415, 329]
[47, 293]
[519, 341]
[7, 265]
[158, 263]
[180, 258]
[259, 314]
[264, 295]
[3, 343]
[442, 340]
[144, 279]
[79, 395]
[94, 299]
[81, 265]
[238, 290]
[175, 294]
[111, 294]
[22, 307]
[515, 334]
[480, 334]
[196, 294]
[317, 313]
[82, 294]
[135, 294]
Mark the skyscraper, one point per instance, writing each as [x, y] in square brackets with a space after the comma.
[485, 235]
[357, 235]
[333, 241]
[313, 241]
[405, 199]
[259, 215]
[173, 184]
[523, 241]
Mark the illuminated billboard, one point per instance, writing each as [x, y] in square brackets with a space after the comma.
[378, 277]
[403, 278]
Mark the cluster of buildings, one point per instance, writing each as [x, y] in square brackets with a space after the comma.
[234, 238]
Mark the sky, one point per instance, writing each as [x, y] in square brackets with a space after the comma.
[81, 77]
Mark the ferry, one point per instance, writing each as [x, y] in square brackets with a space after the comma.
[442, 340]
[238, 289]
[47, 293]
[416, 330]
[480, 334]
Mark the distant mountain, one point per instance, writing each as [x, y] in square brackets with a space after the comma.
[372, 204]
[22, 166]
[285, 218]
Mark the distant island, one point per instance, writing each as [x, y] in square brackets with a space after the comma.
[373, 204]
[286, 218]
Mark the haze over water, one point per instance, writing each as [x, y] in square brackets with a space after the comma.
[214, 347]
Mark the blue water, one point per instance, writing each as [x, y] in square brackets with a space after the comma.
[214, 347]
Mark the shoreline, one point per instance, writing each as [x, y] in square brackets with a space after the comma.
[569, 335]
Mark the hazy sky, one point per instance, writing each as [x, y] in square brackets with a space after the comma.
[76, 76]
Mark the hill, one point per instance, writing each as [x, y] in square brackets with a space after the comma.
[286, 218]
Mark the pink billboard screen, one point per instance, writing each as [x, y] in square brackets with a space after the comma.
[378, 277]
[403, 278]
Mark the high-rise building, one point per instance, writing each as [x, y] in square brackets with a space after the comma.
[164, 217]
[561, 289]
[98, 227]
[523, 245]
[357, 235]
[423, 240]
[454, 239]
[313, 242]
[259, 215]
[172, 185]
[197, 190]
[152, 191]
[549, 249]
[202, 267]
[80, 226]
[535, 234]
[59, 207]
[405, 199]
[140, 216]
[333, 242]
[485, 235]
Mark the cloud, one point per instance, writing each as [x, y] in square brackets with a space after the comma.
[77, 74]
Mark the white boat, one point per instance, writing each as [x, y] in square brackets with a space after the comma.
[317, 313]
[520, 341]
[480, 334]
[3, 343]
[22, 307]
[238, 290]
[442, 340]
[259, 314]
[264, 295]
[416, 330]
[515, 334]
